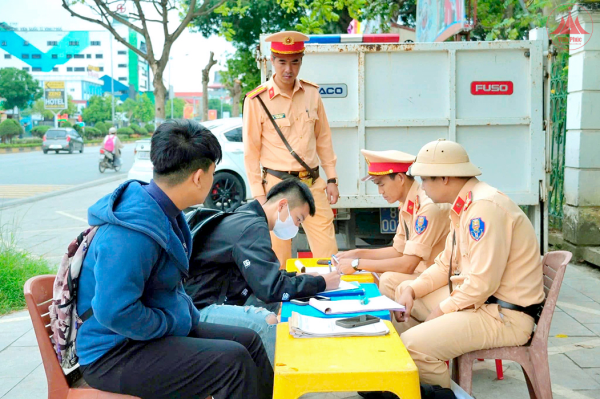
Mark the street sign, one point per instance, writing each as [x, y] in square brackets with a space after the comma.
[55, 95]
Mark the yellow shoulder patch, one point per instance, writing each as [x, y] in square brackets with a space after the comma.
[256, 91]
[310, 83]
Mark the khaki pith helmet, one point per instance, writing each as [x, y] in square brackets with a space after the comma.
[443, 158]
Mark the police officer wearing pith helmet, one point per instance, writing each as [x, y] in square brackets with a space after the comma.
[491, 264]
[287, 135]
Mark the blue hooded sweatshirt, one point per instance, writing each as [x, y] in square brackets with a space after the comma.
[132, 275]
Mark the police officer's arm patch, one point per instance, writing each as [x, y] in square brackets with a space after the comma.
[421, 224]
[476, 228]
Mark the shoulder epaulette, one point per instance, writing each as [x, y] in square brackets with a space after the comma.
[256, 91]
[310, 83]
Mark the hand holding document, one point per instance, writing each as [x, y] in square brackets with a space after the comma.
[315, 327]
[355, 305]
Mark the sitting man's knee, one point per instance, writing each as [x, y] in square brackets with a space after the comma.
[271, 319]
[401, 288]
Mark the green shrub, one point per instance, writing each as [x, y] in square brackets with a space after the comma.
[125, 132]
[102, 127]
[150, 128]
[92, 132]
[40, 130]
[108, 125]
[78, 128]
[139, 129]
[66, 124]
[10, 128]
[28, 140]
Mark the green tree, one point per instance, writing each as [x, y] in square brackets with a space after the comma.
[18, 87]
[145, 15]
[139, 110]
[8, 129]
[178, 105]
[215, 103]
[98, 110]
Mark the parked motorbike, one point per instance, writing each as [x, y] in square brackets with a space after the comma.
[108, 161]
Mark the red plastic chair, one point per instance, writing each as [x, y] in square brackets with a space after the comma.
[38, 295]
[533, 356]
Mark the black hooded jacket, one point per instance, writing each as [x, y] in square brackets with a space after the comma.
[232, 258]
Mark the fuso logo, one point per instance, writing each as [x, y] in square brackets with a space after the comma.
[492, 88]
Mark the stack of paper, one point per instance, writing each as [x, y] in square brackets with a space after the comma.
[325, 270]
[354, 305]
[314, 327]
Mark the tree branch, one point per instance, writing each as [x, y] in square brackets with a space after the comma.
[149, 47]
[107, 26]
[103, 6]
[203, 11]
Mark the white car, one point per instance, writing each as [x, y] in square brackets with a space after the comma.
[230, 187]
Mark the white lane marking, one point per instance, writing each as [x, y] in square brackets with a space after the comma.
[71, 216]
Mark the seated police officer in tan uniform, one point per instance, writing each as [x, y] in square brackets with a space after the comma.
[494, 257]
[422, 228]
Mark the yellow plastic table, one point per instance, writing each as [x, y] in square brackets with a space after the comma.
[305, 365]
[312, 262]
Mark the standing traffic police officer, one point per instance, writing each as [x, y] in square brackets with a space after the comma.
[287, 135]
[491, 264]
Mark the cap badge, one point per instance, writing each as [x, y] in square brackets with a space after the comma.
[288, 41]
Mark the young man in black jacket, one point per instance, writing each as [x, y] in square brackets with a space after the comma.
[235, 263]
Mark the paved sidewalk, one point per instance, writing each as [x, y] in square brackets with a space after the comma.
[46, 227]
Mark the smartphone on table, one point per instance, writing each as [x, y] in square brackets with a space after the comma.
[358, 321]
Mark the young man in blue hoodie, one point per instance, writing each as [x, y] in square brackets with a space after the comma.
[144, 337]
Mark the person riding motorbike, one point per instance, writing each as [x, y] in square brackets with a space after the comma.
[113, 145]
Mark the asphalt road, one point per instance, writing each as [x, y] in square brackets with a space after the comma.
[62, 169]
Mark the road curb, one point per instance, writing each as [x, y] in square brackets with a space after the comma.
[15, 150]
[36, 198]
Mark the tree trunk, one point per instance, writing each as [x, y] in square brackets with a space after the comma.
[344, 20]
[236, 93]
[205, 80]
[160, 94]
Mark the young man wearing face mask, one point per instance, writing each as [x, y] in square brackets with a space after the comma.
[422, 225]
[235, 264]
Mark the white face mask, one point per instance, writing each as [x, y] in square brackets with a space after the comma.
[285, 230]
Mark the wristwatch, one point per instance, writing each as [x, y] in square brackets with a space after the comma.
[355, 264]
[334, 180]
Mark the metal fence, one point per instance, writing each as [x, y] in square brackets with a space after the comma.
[558, 122]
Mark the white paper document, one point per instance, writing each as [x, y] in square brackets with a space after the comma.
[344, 286]
[355, 305]
[314, 327]
[325, 269]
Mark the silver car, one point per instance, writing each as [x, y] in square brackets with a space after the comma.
[62, 139]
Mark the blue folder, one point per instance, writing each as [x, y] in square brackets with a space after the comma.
[371, 291]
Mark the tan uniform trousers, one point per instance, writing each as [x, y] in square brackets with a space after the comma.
[422, 307]
[432, 343]
[390, 281]
[319, 229]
